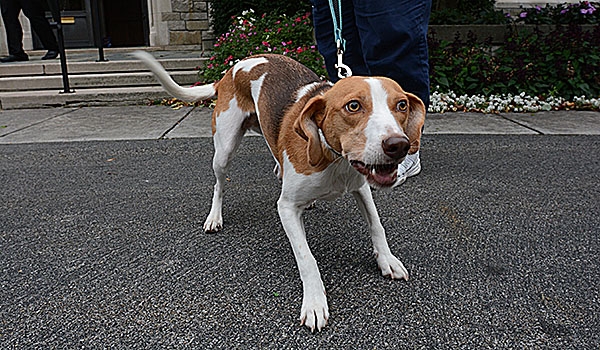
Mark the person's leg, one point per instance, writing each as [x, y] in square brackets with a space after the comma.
[325, 36]
[14, 31]
[34, 11]
[394, 41]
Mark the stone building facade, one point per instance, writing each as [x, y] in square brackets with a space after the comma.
[176, 24]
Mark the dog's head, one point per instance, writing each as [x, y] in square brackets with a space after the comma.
[371, 122]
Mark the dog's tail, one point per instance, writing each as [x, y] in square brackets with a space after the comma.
[189, 94]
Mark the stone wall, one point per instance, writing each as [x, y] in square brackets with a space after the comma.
[514, 5]
[188, 24]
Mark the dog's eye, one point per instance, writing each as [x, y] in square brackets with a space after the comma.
[402, 106]
[353, 106]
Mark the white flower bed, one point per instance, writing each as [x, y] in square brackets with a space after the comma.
[450, 102]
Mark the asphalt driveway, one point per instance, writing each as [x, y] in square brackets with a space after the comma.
[101, 246]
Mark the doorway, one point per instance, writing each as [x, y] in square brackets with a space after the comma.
[125, 23]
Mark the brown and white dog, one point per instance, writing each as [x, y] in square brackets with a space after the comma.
[326, 140]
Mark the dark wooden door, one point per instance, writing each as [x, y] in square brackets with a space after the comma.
[125, 23]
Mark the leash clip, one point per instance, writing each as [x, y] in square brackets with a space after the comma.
[343, 70]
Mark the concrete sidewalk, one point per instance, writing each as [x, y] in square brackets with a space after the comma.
[156, 122]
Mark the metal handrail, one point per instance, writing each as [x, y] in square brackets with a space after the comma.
[95, 8]
[55, 10]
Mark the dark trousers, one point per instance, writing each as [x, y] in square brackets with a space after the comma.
[34, 11]
[383, 38]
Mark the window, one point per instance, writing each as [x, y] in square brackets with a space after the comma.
[72, 5]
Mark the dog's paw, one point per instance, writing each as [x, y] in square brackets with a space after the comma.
[391, 266]
[212, 225]
[315, 312]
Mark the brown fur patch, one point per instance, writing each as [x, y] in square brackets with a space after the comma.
[416, 120]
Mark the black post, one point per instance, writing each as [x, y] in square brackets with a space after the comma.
[54, 8]
[97, 29]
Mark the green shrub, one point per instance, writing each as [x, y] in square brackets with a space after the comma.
[483, 12]
[222, 11]
[564, 62]
[250, 34]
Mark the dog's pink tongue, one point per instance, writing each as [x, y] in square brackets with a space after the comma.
[385, 179]
[383, 175]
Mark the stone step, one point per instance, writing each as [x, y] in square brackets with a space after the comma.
[31, 69]
[121, 80]
[82, 97]
[95, 80]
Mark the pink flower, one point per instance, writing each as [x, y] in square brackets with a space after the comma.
[590, 10]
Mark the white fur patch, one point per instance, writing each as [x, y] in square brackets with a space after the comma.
[381, 121]
[337, 179]
[255, 87]
[306, 89]
[248, 64]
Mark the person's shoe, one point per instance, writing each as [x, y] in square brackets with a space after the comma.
[14, 58]
[50, 55]
[410, 166]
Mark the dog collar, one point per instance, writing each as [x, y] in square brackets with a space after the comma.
[322, 137]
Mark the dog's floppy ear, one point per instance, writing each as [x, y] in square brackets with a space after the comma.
[306, 126]
[416, 119]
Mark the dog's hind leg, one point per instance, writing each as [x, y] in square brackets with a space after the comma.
[388, 263]
[229, 131]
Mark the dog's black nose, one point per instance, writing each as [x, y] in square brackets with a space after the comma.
[395, 147]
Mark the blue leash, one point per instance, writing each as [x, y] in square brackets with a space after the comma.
[343, 70]
[337, 23]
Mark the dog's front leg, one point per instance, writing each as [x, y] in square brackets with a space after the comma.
[314, 312]
[388, 263]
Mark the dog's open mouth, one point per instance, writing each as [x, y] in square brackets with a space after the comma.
[381, 175]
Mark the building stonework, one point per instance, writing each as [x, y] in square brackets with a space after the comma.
[187, 23]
